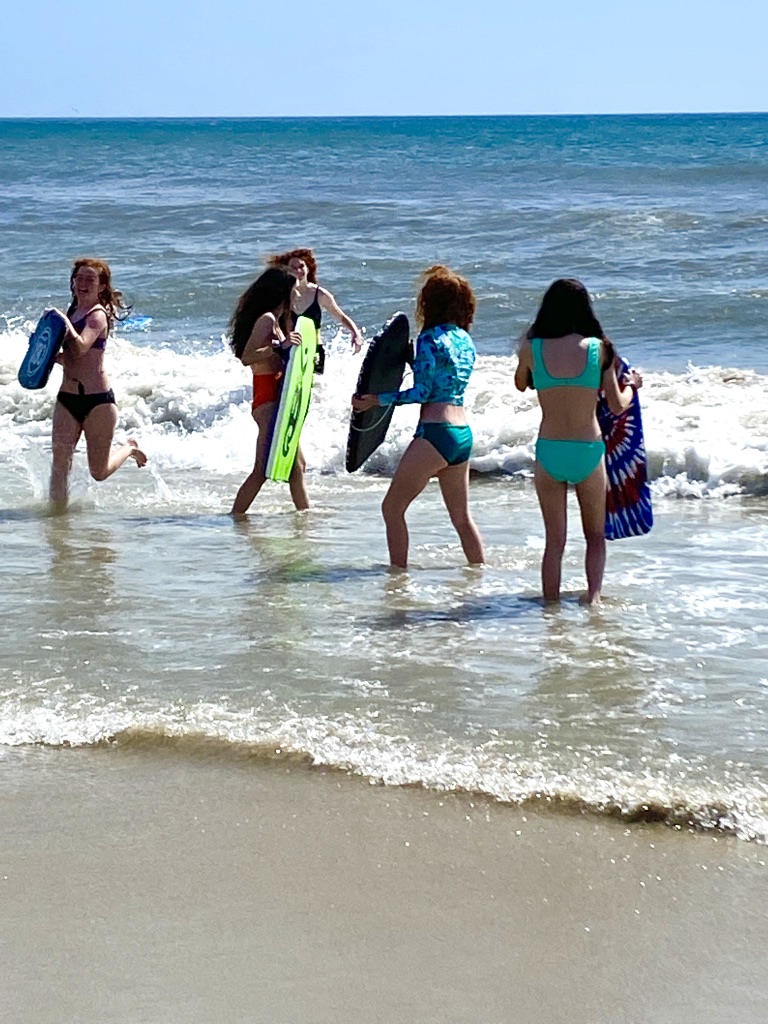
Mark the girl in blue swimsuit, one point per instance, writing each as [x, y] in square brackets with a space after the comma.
[566, 358]
[442, 444]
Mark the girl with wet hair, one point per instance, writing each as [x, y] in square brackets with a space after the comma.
[85, 403]
[442, 444]
[261, 337]
[309, 299]
[566, 357]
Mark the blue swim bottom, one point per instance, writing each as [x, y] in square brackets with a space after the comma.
[569, 462]
[453, 443]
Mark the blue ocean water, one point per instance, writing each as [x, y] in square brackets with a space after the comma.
[146, 614]
[664, 217]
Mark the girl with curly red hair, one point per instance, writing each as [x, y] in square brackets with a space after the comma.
[442, 444]
[309, 299]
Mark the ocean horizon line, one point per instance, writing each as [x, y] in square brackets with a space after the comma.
[154, 118]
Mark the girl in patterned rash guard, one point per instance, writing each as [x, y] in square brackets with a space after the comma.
[442, 444]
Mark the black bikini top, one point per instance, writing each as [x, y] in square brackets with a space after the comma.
[313, 311]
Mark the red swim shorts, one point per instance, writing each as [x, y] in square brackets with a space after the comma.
[266, 388]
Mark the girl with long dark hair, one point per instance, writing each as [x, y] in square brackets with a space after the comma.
[566, 357]
[261, 337]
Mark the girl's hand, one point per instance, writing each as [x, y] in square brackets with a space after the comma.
[362, 403]
[357, 342]
[631, 379]
[71, 332]
[58, 312]
[294, 338]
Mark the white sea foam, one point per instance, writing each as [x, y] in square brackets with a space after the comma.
[706, 429]
[683, 796]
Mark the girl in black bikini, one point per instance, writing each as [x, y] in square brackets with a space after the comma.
[309, 299]
[86, 403]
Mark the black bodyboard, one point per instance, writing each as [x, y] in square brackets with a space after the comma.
[382, 370]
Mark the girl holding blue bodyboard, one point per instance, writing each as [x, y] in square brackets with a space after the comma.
[85, 403]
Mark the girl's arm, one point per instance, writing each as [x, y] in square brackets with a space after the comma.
[262, 341]
[96, 326]
[618, 394]
[424, 366]
[328, 303]
[423, 376]
[524, 371]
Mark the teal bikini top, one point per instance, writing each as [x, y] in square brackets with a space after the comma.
[590, 377]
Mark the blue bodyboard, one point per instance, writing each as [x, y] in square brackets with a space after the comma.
[136, 323]
[44, 345]
[628, 509]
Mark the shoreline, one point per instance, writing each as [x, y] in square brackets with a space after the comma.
[153, 888]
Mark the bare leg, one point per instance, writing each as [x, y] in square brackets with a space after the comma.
[591, 495]
[454, 484]
[99, 430]
[66, 434]
[420, 462]
[253, 483]
[296, 482]
[552, 495]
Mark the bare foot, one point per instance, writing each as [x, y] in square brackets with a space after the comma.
[137, 453]
[595, 599]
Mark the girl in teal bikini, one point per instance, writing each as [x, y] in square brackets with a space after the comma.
[566, 358]
[442, 444]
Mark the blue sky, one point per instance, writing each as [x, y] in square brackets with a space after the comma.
[252, 59]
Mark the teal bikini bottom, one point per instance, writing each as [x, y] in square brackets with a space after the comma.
[570, 462]
[453, 443]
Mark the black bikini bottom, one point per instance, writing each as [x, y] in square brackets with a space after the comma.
[80, 405]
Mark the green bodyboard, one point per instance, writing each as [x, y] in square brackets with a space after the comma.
[294, 403]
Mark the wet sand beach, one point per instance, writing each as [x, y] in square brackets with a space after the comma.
[167, 675]
[159, 889]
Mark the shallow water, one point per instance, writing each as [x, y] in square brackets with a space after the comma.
[285, 634]
[146, 615]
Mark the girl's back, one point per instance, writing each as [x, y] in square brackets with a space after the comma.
[566, 374]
